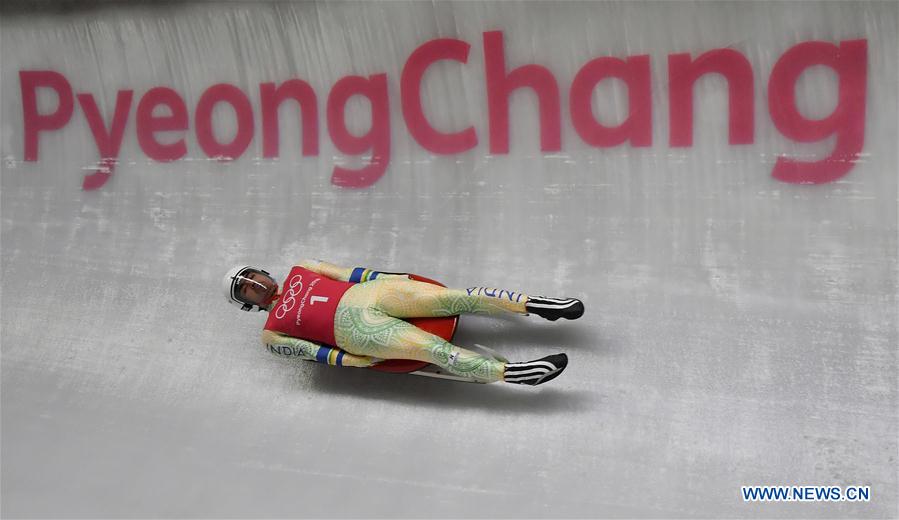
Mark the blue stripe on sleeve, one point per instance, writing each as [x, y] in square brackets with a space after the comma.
[374, 275]
[356, 277]
[322, 355]
[340, 358]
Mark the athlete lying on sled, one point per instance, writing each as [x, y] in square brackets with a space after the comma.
[356, 317]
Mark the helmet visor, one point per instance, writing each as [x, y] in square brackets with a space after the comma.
[254, 287]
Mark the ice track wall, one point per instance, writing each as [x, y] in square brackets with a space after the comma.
[717, 181]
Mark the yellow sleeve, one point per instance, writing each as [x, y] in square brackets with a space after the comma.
[334, 272]
[287, 346]
[347, 274]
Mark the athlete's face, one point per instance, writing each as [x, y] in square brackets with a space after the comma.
[256, 288]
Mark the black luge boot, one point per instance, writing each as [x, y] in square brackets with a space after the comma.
[555, 308]
[535, 372]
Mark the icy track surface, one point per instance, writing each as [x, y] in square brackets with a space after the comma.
[739, 330]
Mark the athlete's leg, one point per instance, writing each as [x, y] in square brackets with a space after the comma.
[403, 298]
[370, 332]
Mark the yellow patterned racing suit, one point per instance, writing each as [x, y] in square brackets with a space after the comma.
[369, 324]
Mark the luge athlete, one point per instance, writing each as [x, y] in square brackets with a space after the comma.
[355, 317]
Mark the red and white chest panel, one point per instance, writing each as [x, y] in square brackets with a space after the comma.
[307, 306]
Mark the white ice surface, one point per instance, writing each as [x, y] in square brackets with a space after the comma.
[739, 330]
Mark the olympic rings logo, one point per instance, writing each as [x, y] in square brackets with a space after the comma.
[295, 285]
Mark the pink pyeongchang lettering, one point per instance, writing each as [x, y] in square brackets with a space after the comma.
[163, 109]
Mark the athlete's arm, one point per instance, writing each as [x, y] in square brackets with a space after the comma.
[335, 272]
[347, 274]
[287, 346]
